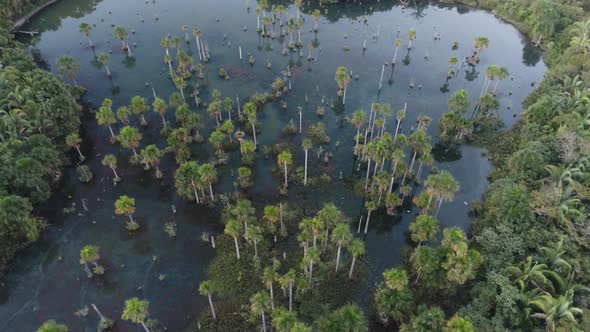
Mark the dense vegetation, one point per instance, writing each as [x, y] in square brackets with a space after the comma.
[36, 109]
[522, 268]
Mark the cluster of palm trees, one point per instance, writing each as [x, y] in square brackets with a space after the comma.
[316, 233]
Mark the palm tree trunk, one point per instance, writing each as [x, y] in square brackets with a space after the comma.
[237, 247]
[212, 308]
[305, 172]
[360, 224]
[145, 327]
[254, 133]
[392, 177]
[344, 96]
[112, 133]
[211, 192]
[285, 173]
[367, 223]
[163, 120]
[263, 322]
[290, 296]
[394, 55]
[102, 318]
[255, 249]
[440, 201]
[413, 160]
[79, 152]
[368, 172]
[338, 256]
[356, 145]
[310, 271]
[198, 47]
[351, 267]
[108, 70]
[115, 172]
[131, 218]
[365, 140]
[272, 297]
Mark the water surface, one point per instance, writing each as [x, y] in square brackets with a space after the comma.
[47, 281]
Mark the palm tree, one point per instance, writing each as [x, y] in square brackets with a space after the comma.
[459, 324]
[136, 310]
[106, 117]
[125, 205]
[165, 43]
[419, 142]
[401, 114]
[228, 128]
[123, 114]
[188, 180]
[103, 60]
[459, 102]
[228, 106]
[370, 206]
[395, 304]
[151, 156]
[209, 176]
[85, 29]
[68, 67]
[411, 37]
[129, 137]
[139, 106]
[443, 186]
[357, 249]
[52, 326]
[73, 140]
[423, 229]
[424, 261]
[206, 289]
[501, 74]
[89, 254]
[233, 228]
[283, 320]
[110, 161]
[285, 159]
[342, 79]
[397, 44]
[272, 215]
[396, 279]
[121, 34]
[316, 14]
[269, 276]
[159, 106]
[359, 117]
[289, 278]
[197, 33]
[306, 145]
[480, 44]
[250, 110]
[341, 236]
[254, 235]
[259, 303]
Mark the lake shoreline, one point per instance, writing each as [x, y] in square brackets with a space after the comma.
[24, 19]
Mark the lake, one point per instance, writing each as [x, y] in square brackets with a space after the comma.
[47, 280]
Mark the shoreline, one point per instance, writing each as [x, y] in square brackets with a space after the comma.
[24, 19]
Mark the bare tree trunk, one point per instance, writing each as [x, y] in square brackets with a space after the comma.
[351, 267]
[212, 308]
[338, 256]
[237, 247]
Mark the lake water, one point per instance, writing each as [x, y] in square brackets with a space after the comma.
[47, 280]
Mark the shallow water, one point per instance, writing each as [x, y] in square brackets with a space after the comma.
[47, 280]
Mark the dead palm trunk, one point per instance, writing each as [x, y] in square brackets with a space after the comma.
[237, 247]
[338, 256]
[351, 267]
[367, 223]
[211, 191]
[212, 308]
[305, 172]
[285, 163]
[195, 191]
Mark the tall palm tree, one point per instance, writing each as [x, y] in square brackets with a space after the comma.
[259, 304]
[342, 79]
[289, 278]
[103, 59]
[394, 304]
[106, 117]
[316, 14]
[233, 228]
[397, 44]
[121, 34]
[357, 249]
[459, 102]
[166, 43]
[151, 156]
[139, 106]
[254, 235]
[370, 206]
[459, 324]
[125, 205]
[396, 279]
[359, 117]
[129, 137]
[197, 33]
[443, 186]
[85, 29]
[401, 114]
[159, 106]
[206, 289]
[250, 111]
[424, 228]
[501, 74]
[283, 320]
[89, 254]
[123, 115]
[411, 37]
[341, 236]
[68, 67]
[188, 180]
[136, 310]
[73, 140]
[110, 161]
[209, 176]
[272, 216]
[554, 311]
[269, 276]
[480, 44]
[285, 159]
[306, 145]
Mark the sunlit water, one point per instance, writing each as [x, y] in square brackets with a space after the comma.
[47, 280]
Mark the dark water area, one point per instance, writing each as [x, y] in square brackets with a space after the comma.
[48, 282]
